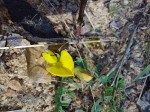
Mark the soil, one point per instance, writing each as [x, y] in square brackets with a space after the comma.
[107, 40]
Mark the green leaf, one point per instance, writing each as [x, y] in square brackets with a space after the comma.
[91, 82]
[107, 98]
[80, 110]
[79, 62]
[143, 72]
[111, 110]
[111, 76]
[58, 99]
[71, 94]
[98, 30]
[97, 107]
[98, 68]
[109, 90]
[121, 109]
[59, 108]
[64, 103]
[103, 79]
[115, 103]
[121, 83]
[61, 111]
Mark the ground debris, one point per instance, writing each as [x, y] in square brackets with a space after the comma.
[25, 84]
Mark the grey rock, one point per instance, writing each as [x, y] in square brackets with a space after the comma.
[116, 25]
[2, 87]
[16, 40]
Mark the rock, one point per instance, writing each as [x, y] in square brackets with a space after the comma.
[144, 105]
[33, 56]
[36, 64]
[23, 16]
[15, 85]
[15, 60]
[5, 19]
[16, 40]
[4, 78]
[39, 75]
[116, 25]
[29, 100]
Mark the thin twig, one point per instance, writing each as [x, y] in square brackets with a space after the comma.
[124, 58]
[73, 42]
[19, 47]
[142, 90]
[114, 68]
[144, 76]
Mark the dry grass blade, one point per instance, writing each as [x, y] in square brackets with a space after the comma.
[89, 19]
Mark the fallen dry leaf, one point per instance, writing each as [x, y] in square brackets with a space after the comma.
[15, 85]
[82, 74]
[39, 75]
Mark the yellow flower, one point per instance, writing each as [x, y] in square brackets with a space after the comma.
[60, 65]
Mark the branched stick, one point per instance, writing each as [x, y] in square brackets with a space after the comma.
[124, 58]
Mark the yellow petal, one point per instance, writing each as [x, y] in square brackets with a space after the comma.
[59, 70]
[50, 57]
[82, 74]
[61, 65]
[67, 61]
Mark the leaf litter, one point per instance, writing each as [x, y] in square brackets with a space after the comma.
[119, 65]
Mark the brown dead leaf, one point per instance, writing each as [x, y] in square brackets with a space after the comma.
[15, 85]
[10, 92]
[39, 75]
